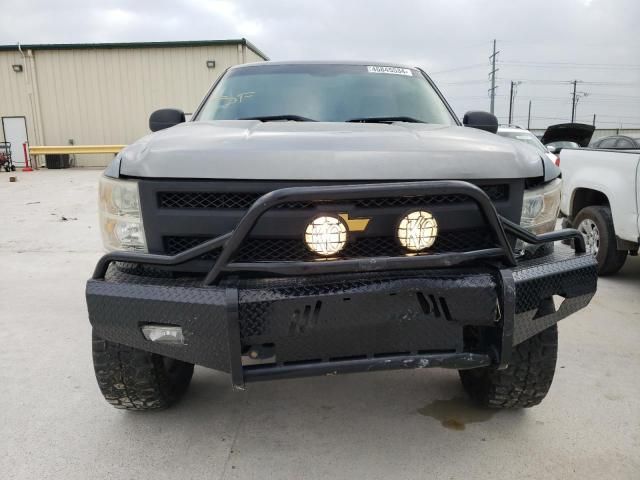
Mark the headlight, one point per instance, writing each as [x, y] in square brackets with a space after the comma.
[326, 235]
[540, 207]
[120, 217]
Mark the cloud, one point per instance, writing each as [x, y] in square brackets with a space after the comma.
[117, 16]
[231, 14]
[438, 35]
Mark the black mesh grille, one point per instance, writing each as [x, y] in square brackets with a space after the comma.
[264, 250]
[218, 200]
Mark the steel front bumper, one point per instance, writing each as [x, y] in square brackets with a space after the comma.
[346, 323]
[456, 310]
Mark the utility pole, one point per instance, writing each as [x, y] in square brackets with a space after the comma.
[594, 120]
[573, 102]
[492, 74]
[576, 99]
[510, 102]
[512, 98]
[529, 117]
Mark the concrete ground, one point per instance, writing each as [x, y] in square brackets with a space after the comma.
[413, 424]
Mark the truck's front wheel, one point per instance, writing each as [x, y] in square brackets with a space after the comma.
[596, 225]
[133, 379]
[524, 383]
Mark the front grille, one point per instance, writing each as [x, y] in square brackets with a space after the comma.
[181, 215]
[266, 250]
[242, 201]
[216, 200]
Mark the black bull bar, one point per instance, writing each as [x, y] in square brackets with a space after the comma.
[229, 243]
[232, 241]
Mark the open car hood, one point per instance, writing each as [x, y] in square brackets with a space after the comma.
[579, 133]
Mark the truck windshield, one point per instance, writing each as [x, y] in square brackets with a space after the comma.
[326, 93]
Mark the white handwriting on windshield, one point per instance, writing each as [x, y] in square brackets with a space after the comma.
[226, 101]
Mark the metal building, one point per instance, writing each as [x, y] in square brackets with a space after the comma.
[102, 94]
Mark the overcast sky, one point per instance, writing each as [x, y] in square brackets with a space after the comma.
[542, 43]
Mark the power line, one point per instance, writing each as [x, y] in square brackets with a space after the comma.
[464, 67]
[608, 94]
[614, 84]
[590, 99]
[569, 65]
[612, 100]
[583, 100]
[636, 117]
[565, 100]
[463, 82]
[569, 82]
[462, 97]
[537, 81]
[542, 117]
[627, 126]
[594, 44]
[541, 81]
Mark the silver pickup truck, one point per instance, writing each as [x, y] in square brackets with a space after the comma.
[327, 218]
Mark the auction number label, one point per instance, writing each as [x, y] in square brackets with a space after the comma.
[389, 70]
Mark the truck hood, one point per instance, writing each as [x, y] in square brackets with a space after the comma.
[253, 150]
[579, 133]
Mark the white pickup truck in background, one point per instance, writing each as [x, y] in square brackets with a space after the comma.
[601, 198]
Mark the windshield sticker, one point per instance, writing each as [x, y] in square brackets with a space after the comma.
[390, 70]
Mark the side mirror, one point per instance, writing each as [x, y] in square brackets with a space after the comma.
[553, 149]
[481, 120]
[165, 118]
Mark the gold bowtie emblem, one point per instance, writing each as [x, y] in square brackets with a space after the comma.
[355, 224]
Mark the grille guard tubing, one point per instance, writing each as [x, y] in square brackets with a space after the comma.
[232, 241]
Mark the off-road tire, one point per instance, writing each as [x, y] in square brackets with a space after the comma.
[524, 383]
[609, 258]
[132, 379]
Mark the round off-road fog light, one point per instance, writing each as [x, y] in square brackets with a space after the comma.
[326, 235]
[417, 230]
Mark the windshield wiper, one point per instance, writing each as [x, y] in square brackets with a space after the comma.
[385, 120]
[276, 118]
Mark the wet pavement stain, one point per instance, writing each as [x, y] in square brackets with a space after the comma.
[456, 413]
[613, 397]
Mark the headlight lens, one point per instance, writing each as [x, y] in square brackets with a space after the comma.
[540, 207]
[120, 217]
[326, 235]
[417, 230]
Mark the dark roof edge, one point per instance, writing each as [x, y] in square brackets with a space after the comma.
[112, 45]
[255, 49]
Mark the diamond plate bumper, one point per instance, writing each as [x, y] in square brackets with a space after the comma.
[346, 322]
[453, 309]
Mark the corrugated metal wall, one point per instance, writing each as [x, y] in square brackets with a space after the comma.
[14, 100]
[105, 95]
[251, 56]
